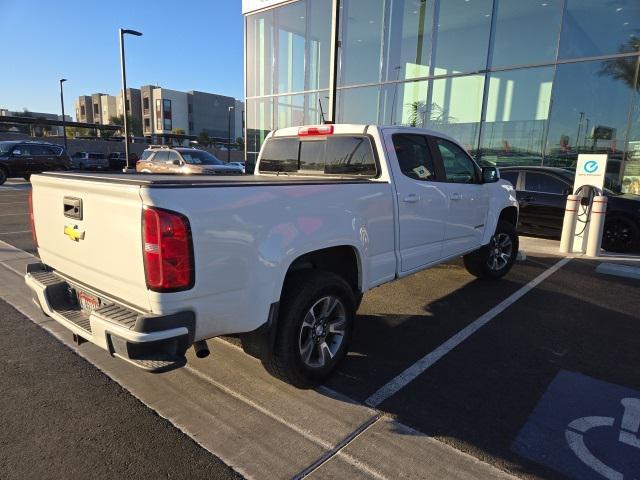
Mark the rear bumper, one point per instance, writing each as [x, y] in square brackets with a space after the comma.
[153, 342]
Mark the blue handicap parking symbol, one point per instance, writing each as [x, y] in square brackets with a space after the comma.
[584, 428]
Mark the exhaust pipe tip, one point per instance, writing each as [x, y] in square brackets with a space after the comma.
[201, 349]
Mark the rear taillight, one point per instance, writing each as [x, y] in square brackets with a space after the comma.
[168, 251]
[32, 220]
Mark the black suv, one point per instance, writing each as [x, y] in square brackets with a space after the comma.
[22, 158]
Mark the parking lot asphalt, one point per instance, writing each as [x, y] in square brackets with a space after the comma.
[63, 418]
[476, 398]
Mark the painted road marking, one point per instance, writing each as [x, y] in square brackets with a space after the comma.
[12, 214]
[590, 446]
[11, 203]
[19, 231]
[431, 358]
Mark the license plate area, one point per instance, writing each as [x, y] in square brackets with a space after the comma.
[87, 302]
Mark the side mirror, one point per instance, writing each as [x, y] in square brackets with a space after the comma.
[490, 174]
[16, 152]
[567, 191]
[176, 162]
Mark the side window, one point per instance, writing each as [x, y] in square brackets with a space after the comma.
[511, 177]
[458, 167]
[160, 157]
[543, 183]
[414, 156]
[173, 156]
[146, 154]
[23, 150]
[39, 150]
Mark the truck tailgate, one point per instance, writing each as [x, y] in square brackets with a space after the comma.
[101, 246]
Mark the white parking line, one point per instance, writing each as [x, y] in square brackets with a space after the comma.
[431, 358]
[13, 214]
[19, 231]
[11, 203]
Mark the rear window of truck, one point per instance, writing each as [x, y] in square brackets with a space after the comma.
[331, 155]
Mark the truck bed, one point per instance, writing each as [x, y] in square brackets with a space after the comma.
[192, 181]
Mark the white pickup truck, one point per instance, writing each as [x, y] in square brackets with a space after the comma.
[146, 266]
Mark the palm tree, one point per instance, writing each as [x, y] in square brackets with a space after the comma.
[624, 68]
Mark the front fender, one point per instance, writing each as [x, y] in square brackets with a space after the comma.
[502, 196]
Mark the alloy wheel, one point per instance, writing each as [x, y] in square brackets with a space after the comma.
[617, 235]
[322, 331]
[500, 251]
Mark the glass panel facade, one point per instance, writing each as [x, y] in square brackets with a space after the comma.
[463, 36]
[405, 104]
[516, 116]
[259, 122]
[362, 35]
[426, 63]
[600, 27]
[631, 178]
[291, 26]
[408, 51]
[358, 105]
[589, 116]
[526, 32]
[455, 107]
[259, 54]
[289, 111]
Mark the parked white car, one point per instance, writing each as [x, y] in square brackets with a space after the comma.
[148, 266]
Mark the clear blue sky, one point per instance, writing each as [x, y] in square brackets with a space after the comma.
[187, 45]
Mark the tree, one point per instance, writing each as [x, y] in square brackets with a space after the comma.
[204, 138]
[624, 68]
[240, 142]
[135, 126]
[178, 131]
[73, 132]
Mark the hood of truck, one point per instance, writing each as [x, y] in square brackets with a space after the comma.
[99, 246]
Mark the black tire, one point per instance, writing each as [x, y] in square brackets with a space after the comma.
[621, 234]
[303, 292]
[481, 263]
[3, 175]
[27, 177]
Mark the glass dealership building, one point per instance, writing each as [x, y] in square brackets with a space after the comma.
[518, 82]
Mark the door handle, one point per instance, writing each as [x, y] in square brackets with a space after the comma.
[411, 198]
[456, 196]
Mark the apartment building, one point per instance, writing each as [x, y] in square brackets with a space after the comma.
[96, 107]
[171, 111]
[134, 105]
[108, 109]
[84, 110]
[162, 110]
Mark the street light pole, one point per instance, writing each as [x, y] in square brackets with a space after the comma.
[122, 33]
[231, 109]
[64, 125]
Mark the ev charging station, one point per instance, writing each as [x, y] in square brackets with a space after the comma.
[586, 208]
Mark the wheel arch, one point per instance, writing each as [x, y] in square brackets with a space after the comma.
[343, 260]
[510, 215]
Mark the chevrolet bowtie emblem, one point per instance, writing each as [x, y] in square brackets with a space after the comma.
[73, 233]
